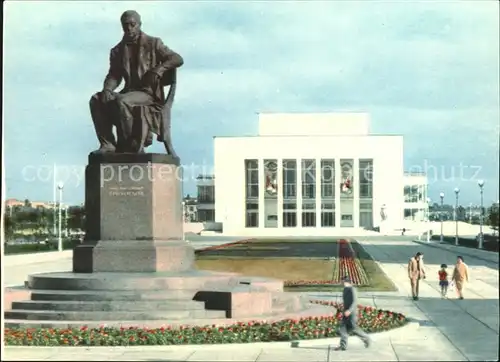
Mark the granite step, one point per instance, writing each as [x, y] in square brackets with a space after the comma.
[115, 295]
[104, 306]
[111, 315]
[108, 281]
[312, 311]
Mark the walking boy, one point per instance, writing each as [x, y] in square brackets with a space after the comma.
[349, 319]
[443, 280]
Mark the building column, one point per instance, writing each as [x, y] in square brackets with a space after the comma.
[299, 192]
[338, 177]
[279, 196]
[355, 195]
[262, 190]
[317, 181]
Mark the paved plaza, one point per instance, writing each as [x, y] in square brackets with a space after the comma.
[448, 329]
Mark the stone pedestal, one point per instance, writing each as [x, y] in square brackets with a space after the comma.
[133, 205]
[134, 269]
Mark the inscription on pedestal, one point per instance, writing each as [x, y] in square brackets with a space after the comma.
[126, 191]
[133, 197]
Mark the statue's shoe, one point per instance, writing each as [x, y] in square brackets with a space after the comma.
[103, 150]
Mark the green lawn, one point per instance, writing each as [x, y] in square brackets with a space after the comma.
[292, 259]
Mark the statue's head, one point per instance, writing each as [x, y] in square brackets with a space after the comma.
[131, 24]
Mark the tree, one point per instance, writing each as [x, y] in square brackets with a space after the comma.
[9, 226]
[493, 218]
[45, 220]
[76, 217]
[461, 213]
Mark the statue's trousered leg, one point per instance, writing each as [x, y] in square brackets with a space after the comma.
[103, 123]
[167, 131]
[128, 141]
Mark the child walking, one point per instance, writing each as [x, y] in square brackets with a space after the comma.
[443, 280]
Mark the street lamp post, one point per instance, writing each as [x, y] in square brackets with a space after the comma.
[183, 220]
[480, 183]
[457, 191]
[54, 187]
[428, 220]
[441, 195]
[60, 187]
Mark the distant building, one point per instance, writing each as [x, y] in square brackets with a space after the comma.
[416, 206]
[190, 209]
[13, 202]
[205, 185]
[10, 203]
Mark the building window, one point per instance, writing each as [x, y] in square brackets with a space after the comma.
[366, 214]
[327, 193]
[366, 179]
[206, 194]
[289, 179]
[309, 179]
[289, 193]
[327, 179]
[415, 193]
[289, 215]
[346, 179]
[308, 214]
[328, 214]
[414, 214]
[252, 193]
[206, 215]
[366, 193]
[270, 183]
[347, 185]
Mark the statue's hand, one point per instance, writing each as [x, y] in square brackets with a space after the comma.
[107, 95]
[150, 78]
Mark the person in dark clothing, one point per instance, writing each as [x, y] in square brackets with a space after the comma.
[350, 317]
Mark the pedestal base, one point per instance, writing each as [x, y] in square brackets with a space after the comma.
[193, 297]
[133, 256]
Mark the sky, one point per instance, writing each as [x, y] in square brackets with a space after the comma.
[426, 70]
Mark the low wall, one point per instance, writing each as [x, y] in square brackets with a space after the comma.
[212, 226]
[488, 256]
[449, 227]
[15, 295]
[193, 227]
[197, 227]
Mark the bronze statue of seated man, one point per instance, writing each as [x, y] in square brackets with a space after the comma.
[146, 65]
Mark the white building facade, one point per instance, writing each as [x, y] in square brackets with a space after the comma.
[309, 174]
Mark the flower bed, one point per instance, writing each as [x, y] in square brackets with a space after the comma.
[347, 264]
[350, 264]
[297, 283]
[370, 319]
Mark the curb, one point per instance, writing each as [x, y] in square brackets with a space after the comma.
[400, 332]
[463, 250]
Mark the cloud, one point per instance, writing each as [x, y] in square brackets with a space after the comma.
[426, 70]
